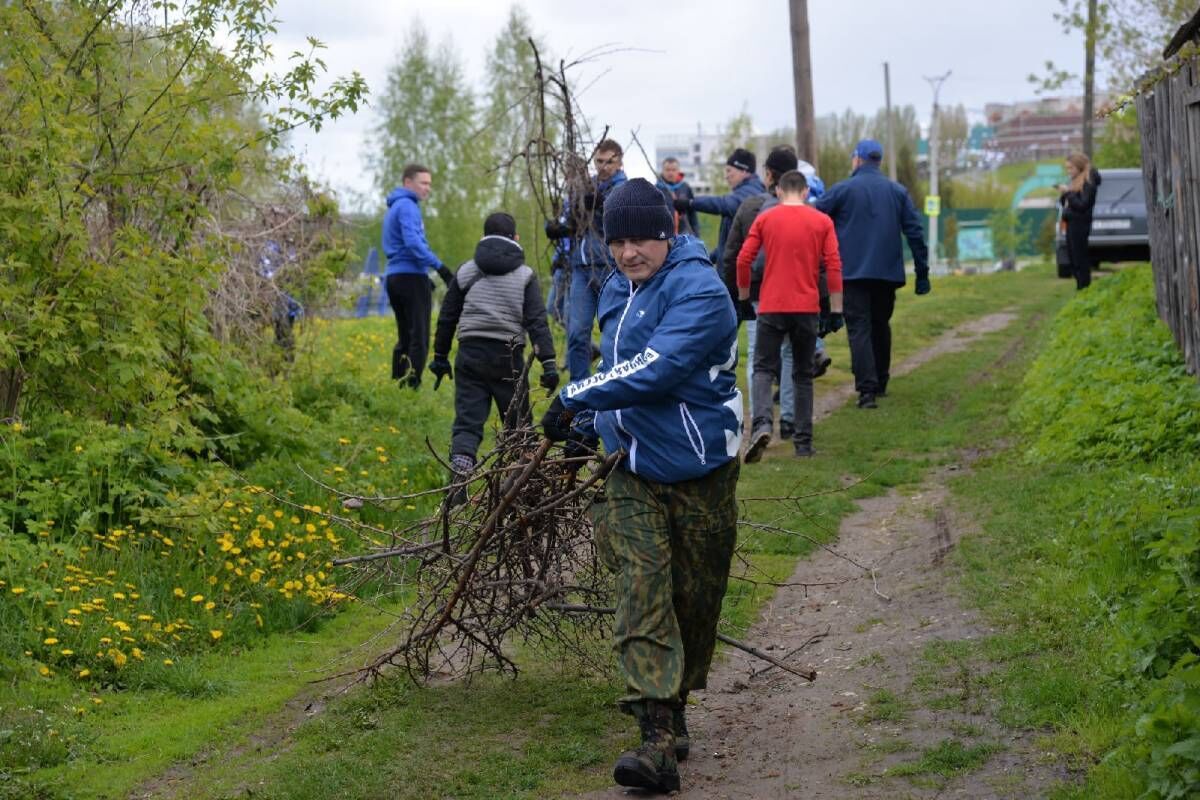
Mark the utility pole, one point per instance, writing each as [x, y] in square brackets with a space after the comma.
[891, 123]
[806, 129]
[1089, 80]
[933, 201]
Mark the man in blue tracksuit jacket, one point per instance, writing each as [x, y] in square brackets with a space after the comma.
[666, 394]
[870, 213]
[739, 172]
[407, 277]
[590, 260]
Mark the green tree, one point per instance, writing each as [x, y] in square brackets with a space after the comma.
[1120, 144]
[1130, 35]
[514, 122]
[738, 132]
[123, 136]
[427, 114]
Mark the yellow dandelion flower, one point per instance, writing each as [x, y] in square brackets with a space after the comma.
[168, 662]
[97, 701]
[341, 439]
[310, 528]
[145, 618]
[210, 605]
[179, 592]
[197, 598]
[216, 634]
[18, 590]
[118, 595]
[44, 671]
[67, 652]
[137, 653]
[83, 673]
[50, 641]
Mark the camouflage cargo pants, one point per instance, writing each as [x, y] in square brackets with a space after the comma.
[670, 546]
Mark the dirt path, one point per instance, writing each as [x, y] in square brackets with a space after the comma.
[952, 341]
[896, 710]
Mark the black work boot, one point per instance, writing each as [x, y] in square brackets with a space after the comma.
[683, 742]
[652, 765]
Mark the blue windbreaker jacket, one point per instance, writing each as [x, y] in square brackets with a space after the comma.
[870, 212]
[591, 251]
[404, 241]
[727, 205]
[666, 392]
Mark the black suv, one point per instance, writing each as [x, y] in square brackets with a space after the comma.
[1119, 229]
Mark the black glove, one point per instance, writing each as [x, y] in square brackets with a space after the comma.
[745, 311]
[830, 323]
[556, 422]
[578, 445]
[593, 201]
[682, 204]
[440, 366]
[556, 229]
[923, 286]
[549, 379]
[445, 274]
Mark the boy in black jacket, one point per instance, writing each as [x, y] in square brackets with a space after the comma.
[494, 300]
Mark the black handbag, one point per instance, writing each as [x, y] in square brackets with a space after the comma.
[1062, 257]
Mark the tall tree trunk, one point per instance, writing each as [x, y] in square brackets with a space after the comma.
[1089, 80]
[806, 128]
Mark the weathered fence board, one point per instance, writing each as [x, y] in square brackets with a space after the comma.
[1169, 118]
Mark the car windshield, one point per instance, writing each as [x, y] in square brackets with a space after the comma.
[1123, 190]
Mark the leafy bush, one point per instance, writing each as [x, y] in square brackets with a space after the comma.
[1110, 387]
[1110, 384]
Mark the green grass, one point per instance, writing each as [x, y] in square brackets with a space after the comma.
[548, 728]
[947, 759]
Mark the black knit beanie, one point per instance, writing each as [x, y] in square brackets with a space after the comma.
[743, 159]
[637, 209]
[500, 223]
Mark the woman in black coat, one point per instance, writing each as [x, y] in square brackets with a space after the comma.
[1077, 200]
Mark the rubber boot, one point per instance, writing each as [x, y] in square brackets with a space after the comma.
[653, 765]
[683, 742]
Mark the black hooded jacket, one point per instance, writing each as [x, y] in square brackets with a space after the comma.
[495, 296]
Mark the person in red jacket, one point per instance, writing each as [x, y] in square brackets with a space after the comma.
[796, 238]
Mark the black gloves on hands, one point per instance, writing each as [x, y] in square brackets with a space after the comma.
[556, 229]
[549, 379]
[440, 366]
[923, 286]
[682, 204]
[445, 274]
[556, 422]
[745, 311]
[830, 323]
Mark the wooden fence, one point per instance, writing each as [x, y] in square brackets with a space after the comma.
[1169, 118]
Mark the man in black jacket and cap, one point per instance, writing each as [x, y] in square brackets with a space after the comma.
[739, 173]
[494, 300]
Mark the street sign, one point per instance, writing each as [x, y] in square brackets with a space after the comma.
[933, 205]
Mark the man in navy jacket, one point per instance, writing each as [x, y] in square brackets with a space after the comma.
[870, 214]
[739, 172]
[666, 394]
[407, 277]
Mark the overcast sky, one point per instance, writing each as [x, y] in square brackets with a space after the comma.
[696, 62]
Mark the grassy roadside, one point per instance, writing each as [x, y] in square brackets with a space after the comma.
[1086, 564]
[548, 730]
[550, 733]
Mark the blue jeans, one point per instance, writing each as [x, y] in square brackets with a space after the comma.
[556, 302]
[581, 316]
[787, 388]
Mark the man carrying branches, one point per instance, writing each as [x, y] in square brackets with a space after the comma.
[591, 262]
[666, 395]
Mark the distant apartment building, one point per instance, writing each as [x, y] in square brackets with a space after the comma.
[1050, 127]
